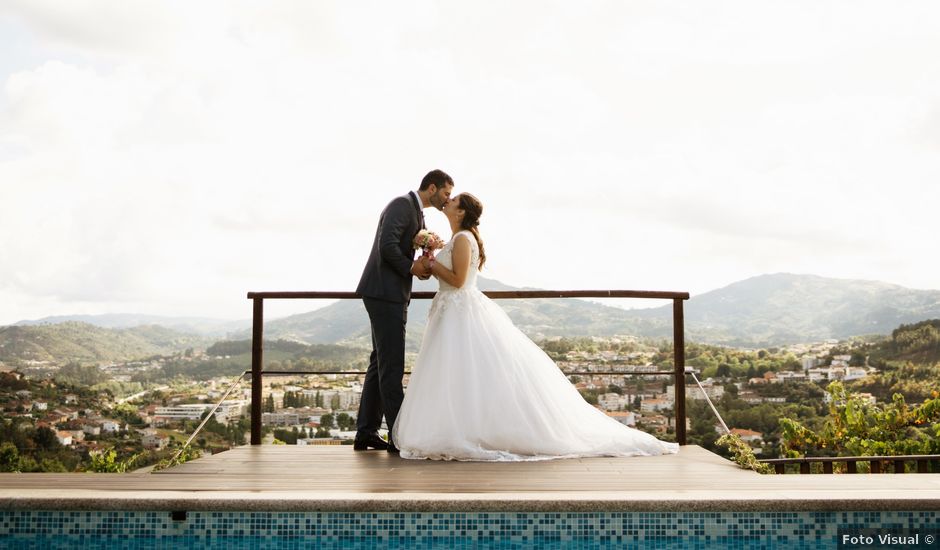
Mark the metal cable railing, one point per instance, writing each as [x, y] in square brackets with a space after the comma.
[241, 377]
[205, 420]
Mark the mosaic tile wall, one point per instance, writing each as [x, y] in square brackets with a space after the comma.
[23, 529]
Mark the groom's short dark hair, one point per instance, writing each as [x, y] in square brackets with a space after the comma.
[437, 178]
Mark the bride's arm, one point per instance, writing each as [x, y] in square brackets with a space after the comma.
[461, 257]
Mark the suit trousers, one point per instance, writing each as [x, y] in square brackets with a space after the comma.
[382, 391]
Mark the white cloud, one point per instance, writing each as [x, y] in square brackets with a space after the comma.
[172, 156]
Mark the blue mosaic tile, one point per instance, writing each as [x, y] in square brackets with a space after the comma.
[498, 530]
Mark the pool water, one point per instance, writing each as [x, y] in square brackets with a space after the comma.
[424, 530]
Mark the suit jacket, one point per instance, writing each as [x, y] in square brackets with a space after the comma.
[387, 275]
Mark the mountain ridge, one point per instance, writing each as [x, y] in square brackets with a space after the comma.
[206, 326]
[76, 341]
[769, 310]
[761, 311]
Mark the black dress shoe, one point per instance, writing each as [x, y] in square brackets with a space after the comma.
[390, 447]
[364, 441]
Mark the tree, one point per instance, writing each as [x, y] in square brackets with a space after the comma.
[856, 428]
[9, 457]
[345, 422]
[107, 461]
[51, 465]
[589, 396]
[269, 403]
[334, 402]
[287, 436]
[326, 421]
[46, 439]
[724, 370]
[702, 430]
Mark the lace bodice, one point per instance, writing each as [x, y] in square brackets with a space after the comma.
[445, 259]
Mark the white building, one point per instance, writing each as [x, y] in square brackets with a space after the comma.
[624, 417]
[230, 411]
[66, 413]
[819, 374]
[854, 373]
[345, 399]
[153, 440]
[614, 401]
[92, 429]
[110, 426]
[749, 436]
[655, 404]
[65, 438]
[280, 418]
[177, 413]
[692, 391]
[789, 375]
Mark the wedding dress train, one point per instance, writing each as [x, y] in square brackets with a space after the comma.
[482, 390]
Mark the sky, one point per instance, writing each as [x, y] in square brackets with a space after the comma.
[168, 157]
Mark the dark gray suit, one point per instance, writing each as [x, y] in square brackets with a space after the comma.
[385, 288]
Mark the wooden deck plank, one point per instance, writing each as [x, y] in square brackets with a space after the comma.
[291, 477]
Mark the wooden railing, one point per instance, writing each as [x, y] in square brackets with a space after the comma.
[678, 322]
[877, 464]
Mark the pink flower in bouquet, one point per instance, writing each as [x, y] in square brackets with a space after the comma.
[428, 241]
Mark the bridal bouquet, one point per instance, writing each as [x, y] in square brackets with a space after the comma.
[428, 241]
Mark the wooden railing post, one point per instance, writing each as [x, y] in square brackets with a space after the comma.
[257, 355]
[678, 343]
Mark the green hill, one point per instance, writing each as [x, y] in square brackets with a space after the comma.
[908, 362]
[917, 343]
[81, 342]
[346, 321]
[764, 311]
[785, 308]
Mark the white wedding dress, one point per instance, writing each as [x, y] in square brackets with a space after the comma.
[482, 390]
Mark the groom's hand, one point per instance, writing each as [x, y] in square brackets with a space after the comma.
[421, 268]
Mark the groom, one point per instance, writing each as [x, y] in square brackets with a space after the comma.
[385, 288]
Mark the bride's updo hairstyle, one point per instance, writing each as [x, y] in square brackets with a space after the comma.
[473, 209]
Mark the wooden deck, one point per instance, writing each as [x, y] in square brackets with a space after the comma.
[293, 478]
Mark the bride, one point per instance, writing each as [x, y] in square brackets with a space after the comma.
[482, 390]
